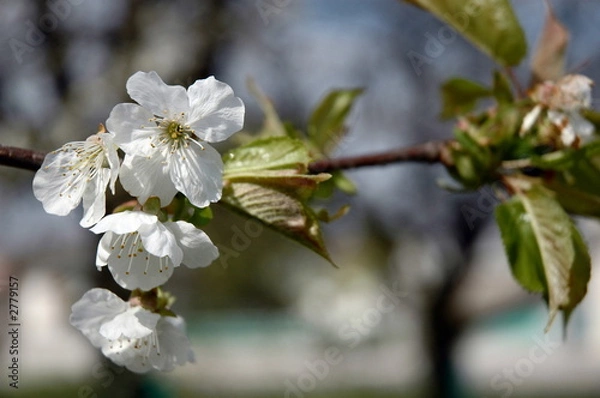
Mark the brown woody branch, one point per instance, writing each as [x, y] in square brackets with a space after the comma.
[21, 158]
[429, 152]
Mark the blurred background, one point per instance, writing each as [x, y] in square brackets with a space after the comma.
[423, 303]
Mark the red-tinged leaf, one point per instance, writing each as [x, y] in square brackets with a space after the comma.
[548, 62]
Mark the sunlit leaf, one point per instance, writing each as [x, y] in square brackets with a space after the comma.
[267, 154]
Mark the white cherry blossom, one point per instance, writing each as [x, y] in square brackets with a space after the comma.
[165, 137]
[131, 335]
[78, 170]
[141, 252]
[564, 100]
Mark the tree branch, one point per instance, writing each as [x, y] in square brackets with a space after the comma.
[21, 158]
[428, 152]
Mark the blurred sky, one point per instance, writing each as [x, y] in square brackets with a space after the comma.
[64, 66]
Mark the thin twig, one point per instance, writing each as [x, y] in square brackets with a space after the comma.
[429, 152]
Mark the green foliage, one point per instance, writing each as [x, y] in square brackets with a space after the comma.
[575, 178]
[459, 96]
[326, 124]
[490, 25]
[266, 179]
[546, 252]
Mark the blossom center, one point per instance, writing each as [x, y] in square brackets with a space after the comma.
[176, 134]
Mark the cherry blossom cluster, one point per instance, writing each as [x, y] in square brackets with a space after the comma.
[560, 104]
[165, 140]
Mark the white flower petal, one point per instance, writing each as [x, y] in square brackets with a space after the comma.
[216, 113]
[141, 272]
[94, 200]
[133, 323]
[132, 267]
[129, 335]
[112, 157]
[583, 127]
[172, 348]
[124, 222]
[93, 309]
[198, 250]
[144, 177]
[160, 241]
[198, 174]
[104, 250]
[78, 170]
[57, 186]
[148, 90]
[530, 119]
[129, 123]
[574, 93]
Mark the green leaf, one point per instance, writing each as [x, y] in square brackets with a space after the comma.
[273, 125]
[592, 116]
[460, 96]
[545, 250]
[490, 25]
[548, 62]
[326, 124]
[267, 180]
[201, 217]
[267, 154]
[501, 89]
[279, 209]
[575, 177]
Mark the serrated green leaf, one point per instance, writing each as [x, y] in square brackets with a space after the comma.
[278, 209]
[460, 96]
[267, 180]
[267, 154]
[544, 248]
[491, 25]
[326, 124]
